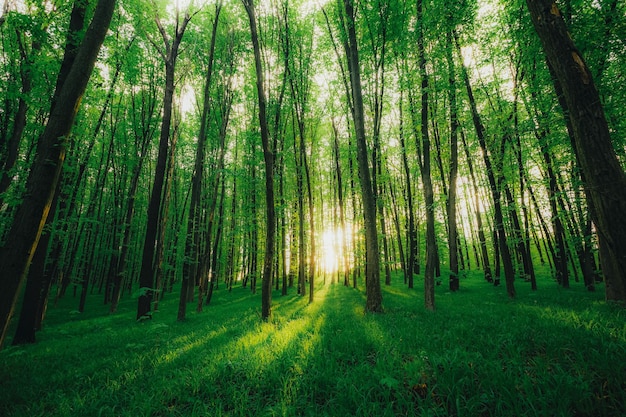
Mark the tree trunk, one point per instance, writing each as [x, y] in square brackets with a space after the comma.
[454, 152]
[604, 178]
[344, 261]
[41, 183]
[431, 244]
[192, 248]
[142, 143]
[372, 255]
[268, 155]
[149, 258]
[484, 252]
[500, 233]
[411, 267]
[298, 153]
[38, 284]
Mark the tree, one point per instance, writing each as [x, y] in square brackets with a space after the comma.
[15, 257]
[169, 54]
[494, 186]
[454, 152]
[372, 255]
[192, 249]
[424, 163]
[605, 180]
[268, 155]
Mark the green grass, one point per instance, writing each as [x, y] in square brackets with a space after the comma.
[548, 353]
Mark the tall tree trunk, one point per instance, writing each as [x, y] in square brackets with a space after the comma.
[344, 261]
[149, 258]
[164, 218]
[92, 229]
[500, 233]
[268, 155]
[312, 253]
[38, 284]
[31, 216]
[215, 250]
[372, 255]
[454, 157]
[142, 142]
[411, 267]
[431, 243]
[192, 246]
[396, 221]
[299, 153]
[484, 253]
[604, 178]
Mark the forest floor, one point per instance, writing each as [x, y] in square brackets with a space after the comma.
[552, 352]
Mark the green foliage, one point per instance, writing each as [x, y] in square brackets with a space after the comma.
[553, 353]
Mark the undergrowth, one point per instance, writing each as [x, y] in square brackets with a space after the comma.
[553, 352]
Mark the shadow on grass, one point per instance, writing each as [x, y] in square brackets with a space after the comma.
[476, 355]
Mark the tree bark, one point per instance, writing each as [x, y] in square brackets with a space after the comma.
[431, 244]
[454, 159]
[410, 267]
[604, 178]
[149, 259]
[268, 155]
[31, 216]
[500, 233]
[344, 261]
[372, 255]
[192, 247]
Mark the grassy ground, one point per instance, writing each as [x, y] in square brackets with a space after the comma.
[547, 353]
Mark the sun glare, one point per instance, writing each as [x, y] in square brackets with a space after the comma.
[181, 4]
[184, 5]
[333, 250]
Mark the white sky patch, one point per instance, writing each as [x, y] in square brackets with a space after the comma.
[181, 4]
[187, 100]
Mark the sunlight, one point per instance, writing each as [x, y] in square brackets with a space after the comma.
[333, 248]
[181, 4]
[187, 100]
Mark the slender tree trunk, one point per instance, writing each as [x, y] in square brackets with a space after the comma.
[149, 258]
[298, 153]
[268, 155]
[164, 219]
[143, 138]
[509, 273]
[312, 251]
[215, 250]
[342, 217]
[192, 247]
[484, 252]
[92, 229]
[529, 268]
[396, 221]
[452, 192]
[431, 244]
[411, 263]
[303, 166]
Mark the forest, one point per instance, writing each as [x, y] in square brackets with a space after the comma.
[329, 207]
